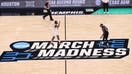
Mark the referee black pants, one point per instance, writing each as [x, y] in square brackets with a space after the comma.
[48, 13]
[105, 7]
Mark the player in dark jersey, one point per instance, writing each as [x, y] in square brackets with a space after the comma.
[47, 11]
[105, 34]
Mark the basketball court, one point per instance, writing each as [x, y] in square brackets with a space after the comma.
[78, 27]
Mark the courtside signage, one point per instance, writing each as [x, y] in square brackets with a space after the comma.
[77, 49]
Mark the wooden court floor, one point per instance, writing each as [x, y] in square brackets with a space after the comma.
[79, 27]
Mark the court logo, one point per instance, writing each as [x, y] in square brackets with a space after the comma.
[77, 49]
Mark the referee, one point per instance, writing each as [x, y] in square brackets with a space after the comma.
[47, 11]
[105, 4]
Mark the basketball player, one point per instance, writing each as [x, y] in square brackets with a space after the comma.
[105, 34]
[105, 4]
[48, 11]
[56, 26]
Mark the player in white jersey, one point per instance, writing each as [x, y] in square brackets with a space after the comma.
[56, 26]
